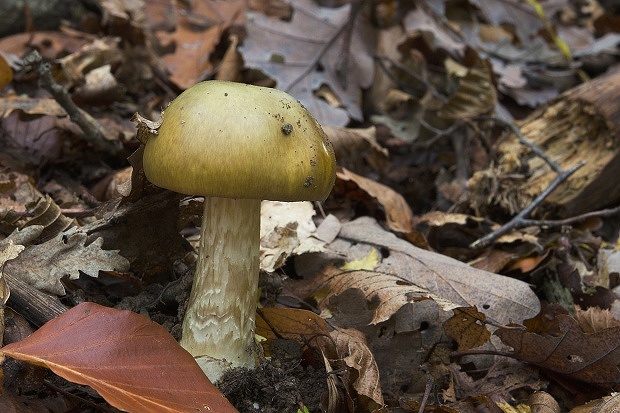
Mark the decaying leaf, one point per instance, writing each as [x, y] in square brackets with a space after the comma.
[356, 147]
[414, 273]
[66, 255]
[287, 229]
[563, 347]
[397, 212]
[134, 363]
[467, 327]
[363, 370]
[47, 214]
[475, 95]
[290, 323]
[286, 51]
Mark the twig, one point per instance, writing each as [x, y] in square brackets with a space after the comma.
[572, 220]
[427, 393]
[94, 133]
[519, 221]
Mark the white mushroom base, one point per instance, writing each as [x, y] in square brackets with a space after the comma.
[218, 327]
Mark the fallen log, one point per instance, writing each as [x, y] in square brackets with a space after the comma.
[582, 124]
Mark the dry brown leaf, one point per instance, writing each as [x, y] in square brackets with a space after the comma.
[420, 20]
[467, 327]
[31, 106]
[198, 33]
[356, 147]
[475, 94]
[232, 63]
[543, 402]
[363, 370]
[46, 213]
[607, 404]
[66, 255]
[409, 271]
[290, 323]
[595, 319]
[6, 73]
[563, 347]
[98, 53]
[397, 212]
[390, 292]
[51, 44]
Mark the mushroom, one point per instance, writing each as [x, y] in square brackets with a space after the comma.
[234, 144]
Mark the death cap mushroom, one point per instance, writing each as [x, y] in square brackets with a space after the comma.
[235, 140]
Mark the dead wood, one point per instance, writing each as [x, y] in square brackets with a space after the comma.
[582, 125]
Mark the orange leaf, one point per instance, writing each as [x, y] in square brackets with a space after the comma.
[6, 73]
[290, 323]
[134, 363]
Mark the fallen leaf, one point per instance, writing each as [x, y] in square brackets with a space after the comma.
[369, 262]
[563, 347]
[475, 94]
[357, 147]
[398, 214]
[420, 20]
[356, 355]
[134, 363]
[44, 265]
[410, 273]
[467, 327]
[288, 50]
[198, 33]
[595, 319]
[6, 73]
[290, 323]
[286, 229]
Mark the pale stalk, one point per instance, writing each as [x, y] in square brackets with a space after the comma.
[218, 328]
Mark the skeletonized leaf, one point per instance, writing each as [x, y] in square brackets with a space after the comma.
[134, 363]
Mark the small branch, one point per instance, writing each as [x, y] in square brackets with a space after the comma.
[94, 133]
[520, 221]
[603, 213]
[427, 393]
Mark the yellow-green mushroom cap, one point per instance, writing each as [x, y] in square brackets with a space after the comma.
[233, 140]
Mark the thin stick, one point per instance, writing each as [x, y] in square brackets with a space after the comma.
[94, 133]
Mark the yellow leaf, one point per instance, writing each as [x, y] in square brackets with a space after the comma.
[369, 262]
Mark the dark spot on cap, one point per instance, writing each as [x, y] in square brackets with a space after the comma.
[287, 128]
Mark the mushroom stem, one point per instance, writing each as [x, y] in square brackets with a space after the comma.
[218, 328]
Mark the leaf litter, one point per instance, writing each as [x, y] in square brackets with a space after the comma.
[365, 321]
